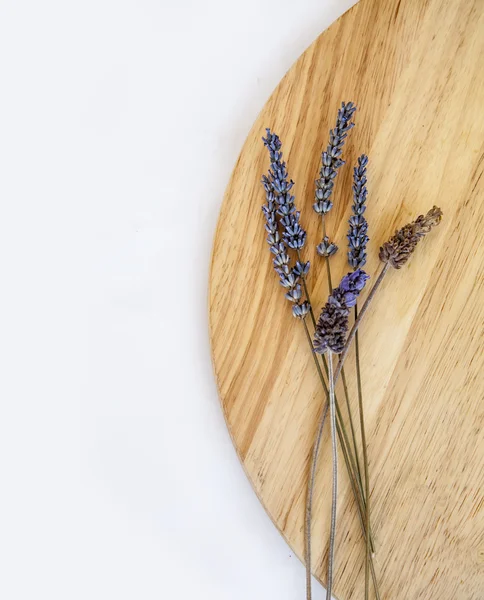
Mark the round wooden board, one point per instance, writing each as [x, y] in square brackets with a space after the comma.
[415, 68]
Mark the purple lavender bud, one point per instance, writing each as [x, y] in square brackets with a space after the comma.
[277, 248]
[301, 269]
[281, 259]
[288, 281]
[359, 279]
[326, 248]
[300, 310]
[295, 294]
[350, 299]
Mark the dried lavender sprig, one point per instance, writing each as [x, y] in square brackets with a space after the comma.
[358, 225]
[301, 311]
[395, 253]
[398, 249]
[331, 158]
[334, 496]
[331, 161]
[331, 326]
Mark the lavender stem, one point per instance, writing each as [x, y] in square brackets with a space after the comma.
[352, 428]
[365, 459]
[312, 475]
[349, 465]
[335, 477]
[316, 446]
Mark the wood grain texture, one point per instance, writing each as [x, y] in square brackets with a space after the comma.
[415, 68]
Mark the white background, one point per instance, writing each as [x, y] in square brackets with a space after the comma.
[120, 122]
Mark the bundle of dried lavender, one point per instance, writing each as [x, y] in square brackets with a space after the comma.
[396, 253]
[280, 203]
[329, 337]
[278, 194]
[285, 233]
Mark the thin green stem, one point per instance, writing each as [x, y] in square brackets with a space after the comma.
[334, 499]
[365, 459]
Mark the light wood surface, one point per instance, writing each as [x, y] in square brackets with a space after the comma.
[415, 69]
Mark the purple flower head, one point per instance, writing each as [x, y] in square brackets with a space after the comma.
[332, 325]
[354, 281]
[358, 226]
[331, 159]
[283, 227]
[278, 188]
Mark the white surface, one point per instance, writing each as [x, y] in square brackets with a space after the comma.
[119, 125]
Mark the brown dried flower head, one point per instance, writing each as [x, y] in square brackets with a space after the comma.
[398, 249]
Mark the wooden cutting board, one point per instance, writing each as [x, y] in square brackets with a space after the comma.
[415, 68]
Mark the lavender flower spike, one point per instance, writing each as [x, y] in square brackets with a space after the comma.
[357, 233]
[331, 159]
[332, 325]
[294, 235]
[280, 202]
